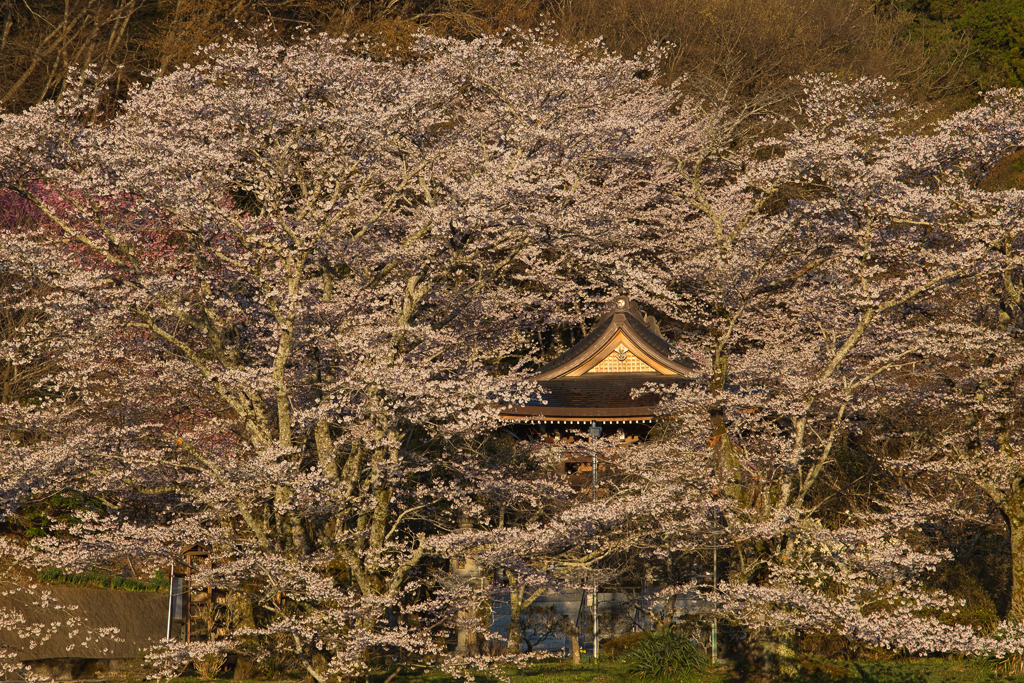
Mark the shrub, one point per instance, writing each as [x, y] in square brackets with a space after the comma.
[613, 647]
[665, 654]
[209, 666]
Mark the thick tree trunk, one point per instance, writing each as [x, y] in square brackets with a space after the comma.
[574, 643]
[518, 601]
[1015, 522]
[471, 626]
[778, 657]
[515, 630]
[325, 450]
[727, 465]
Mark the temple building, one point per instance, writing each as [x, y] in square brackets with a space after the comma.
[598, 385]
[609, 384]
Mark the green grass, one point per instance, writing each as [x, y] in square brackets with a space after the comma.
[96, 579]
[929, 670]
[910, 670]
[605, 671]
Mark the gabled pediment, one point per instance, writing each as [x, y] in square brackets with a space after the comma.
[622, 342]
[620, 359]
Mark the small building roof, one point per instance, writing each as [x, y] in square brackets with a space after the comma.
[596, 379]
[68, 622]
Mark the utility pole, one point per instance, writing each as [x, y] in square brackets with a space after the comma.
[714, 621]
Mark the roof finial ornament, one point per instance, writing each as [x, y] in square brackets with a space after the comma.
[652, 324]
[621, 303]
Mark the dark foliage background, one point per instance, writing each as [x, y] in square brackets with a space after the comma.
[739, 49]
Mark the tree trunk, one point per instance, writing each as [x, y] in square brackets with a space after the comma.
[727, 465]
[241, 612]
[778, 658]
[670, 613]
[574, 643]
[515, 630]
[325, 450]
[471, 628]
[1015, 522]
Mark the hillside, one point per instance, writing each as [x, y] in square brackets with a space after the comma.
[735, 49]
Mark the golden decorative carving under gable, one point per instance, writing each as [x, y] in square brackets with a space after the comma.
[621, 360]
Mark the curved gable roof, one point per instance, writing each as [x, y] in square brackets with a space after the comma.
[609, 375]
[627, 324]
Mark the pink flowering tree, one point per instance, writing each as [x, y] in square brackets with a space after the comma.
[802, 282]
[796, 271]
[655, 504]
[281, 294]
[285, 290]
[964, 400]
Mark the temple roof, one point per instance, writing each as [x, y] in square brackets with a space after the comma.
[595, 379]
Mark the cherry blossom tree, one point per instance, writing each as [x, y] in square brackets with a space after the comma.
[963, 407]
[282, 293]
[288, 287]
[797, 279]
[655, 502]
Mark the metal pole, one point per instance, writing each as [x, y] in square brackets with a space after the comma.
[714, 621]
[170, 599]
[594, 433]
[186, 599]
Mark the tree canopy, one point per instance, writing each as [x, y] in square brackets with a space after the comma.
[273, 303]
